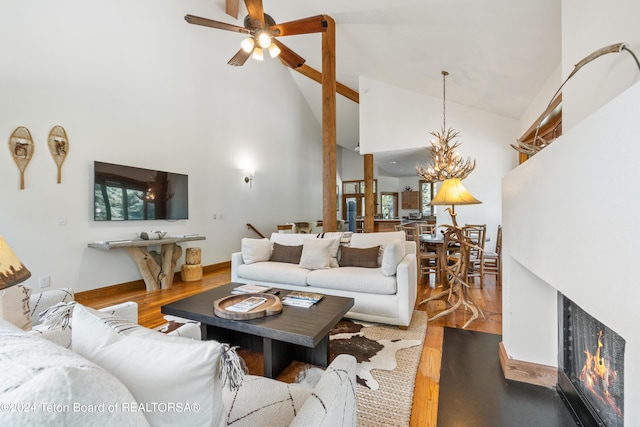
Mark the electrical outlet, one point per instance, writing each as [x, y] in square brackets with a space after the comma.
[45, 281]
[62, 220]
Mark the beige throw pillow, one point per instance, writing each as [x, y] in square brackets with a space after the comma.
[14, 306]
[391, 256]
[316, 253]
[335, 246]
[175, 378]
[255, 250]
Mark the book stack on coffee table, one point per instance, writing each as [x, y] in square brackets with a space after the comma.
[301, 299]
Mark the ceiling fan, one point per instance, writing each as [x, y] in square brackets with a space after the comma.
[262, 31]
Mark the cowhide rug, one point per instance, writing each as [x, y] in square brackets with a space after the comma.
[348, 337]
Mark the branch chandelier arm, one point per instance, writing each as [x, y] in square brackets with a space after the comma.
[446, 162]
[531, 148]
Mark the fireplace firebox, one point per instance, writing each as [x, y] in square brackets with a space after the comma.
[590, 367]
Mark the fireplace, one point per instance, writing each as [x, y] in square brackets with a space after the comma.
[590, 367]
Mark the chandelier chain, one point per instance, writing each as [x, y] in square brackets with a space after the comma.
[444, 99]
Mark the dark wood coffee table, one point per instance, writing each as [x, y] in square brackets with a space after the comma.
[295, 334]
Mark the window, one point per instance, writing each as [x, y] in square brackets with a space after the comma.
[353, 191]
[389, 202]
[427, 192]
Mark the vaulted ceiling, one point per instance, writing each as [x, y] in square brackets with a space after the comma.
[499, 53]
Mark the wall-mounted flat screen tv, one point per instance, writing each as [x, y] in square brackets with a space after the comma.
[122, 193]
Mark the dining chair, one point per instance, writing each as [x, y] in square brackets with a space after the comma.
[492, 264]
[477, 233]
[411, 232]
[427, 260]
[426, 228]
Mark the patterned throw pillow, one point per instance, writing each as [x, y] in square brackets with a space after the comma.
[285, 253]
[14, 306]
[359, 257]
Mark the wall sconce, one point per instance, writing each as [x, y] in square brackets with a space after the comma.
[249, 178]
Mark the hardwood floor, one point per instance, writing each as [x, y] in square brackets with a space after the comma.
[425, 398]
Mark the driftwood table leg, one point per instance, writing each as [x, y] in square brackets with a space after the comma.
[149, 268]
[170, 255]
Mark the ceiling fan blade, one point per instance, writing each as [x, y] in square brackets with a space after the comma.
[287, 56]
[232, 8]
[196, 20]
[256, 12]
[312, 24]
[239, 58]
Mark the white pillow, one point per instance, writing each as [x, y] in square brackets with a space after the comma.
[335, 237]
[14, 306]
[391, 257]
[40, 373]
[316, 253]
[255, 250]
[162, 372]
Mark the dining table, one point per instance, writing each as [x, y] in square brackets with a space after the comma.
[437, 240]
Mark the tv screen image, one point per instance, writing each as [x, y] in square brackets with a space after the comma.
[122, 193]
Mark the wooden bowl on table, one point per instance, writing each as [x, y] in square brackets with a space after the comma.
[269, 308]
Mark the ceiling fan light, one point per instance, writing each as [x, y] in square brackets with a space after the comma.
[274, 50]
[264, 40]
[257, 54]
[248, 44]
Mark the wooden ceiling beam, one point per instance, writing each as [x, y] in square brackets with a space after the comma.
[232, 8]
[316, 75]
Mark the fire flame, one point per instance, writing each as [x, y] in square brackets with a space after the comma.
[598, 376]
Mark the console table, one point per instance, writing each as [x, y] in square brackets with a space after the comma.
[157, 269]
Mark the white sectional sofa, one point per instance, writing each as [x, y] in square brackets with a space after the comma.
[118, 373]
[384, 292]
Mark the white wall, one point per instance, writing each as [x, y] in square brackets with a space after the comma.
[541, 101]
[568, 211]
[586, 27]
[133, 83]
[392, 119]
[573, 228]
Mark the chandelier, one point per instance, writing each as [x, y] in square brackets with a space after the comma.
[446, 162]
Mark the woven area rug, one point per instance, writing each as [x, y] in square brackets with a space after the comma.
[385, 383]
[390, 404]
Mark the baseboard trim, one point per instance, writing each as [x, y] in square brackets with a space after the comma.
[527, 372]
[215, 267]
[139, 284]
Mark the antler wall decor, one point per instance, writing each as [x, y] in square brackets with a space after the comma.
[538, 143]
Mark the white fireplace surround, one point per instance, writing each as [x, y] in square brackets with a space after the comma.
[570, 217]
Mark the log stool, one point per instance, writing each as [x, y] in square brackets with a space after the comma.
[192, 267]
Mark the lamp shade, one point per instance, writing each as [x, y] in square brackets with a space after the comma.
[12, 271]
[452, 192]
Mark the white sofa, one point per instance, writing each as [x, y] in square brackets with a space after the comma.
[380, 294]
[120, 373]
